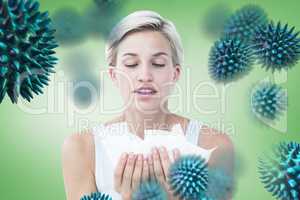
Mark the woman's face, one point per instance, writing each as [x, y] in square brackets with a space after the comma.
[144, 71]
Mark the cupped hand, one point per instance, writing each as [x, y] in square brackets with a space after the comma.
[159, 164]
[131, 169]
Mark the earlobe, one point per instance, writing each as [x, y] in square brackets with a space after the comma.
[111, 72]
[175, 77]
[112, 75]
[176, 73]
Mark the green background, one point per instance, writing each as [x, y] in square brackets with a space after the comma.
[30, 143]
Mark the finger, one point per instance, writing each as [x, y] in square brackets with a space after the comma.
[128, 171]
[137, 173]
[158, 171]
[176, 154]
[165, 160]
[119, 170]
[145, 171]
[151, 167]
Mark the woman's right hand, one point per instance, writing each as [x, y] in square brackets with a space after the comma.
[130, 171]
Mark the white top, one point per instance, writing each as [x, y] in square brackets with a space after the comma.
[114, 139]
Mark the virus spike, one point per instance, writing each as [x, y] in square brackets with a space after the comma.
[277, 47]
[243, 23]
[280, 173]
[268, 101]
[25, 32]
[96, 196]
[230, 59]
[150, 190]
[188, 177]
[220, 184]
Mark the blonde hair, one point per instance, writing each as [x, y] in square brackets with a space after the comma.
[144, 20]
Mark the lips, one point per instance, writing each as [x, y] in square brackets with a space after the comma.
[145, 90]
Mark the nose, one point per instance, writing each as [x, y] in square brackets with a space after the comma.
[145, 74]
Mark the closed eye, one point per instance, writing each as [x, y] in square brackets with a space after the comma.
[133, 65]
[158, 65]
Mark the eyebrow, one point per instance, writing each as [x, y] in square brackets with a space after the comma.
[159, 54]
[155, 55]
[129, 54]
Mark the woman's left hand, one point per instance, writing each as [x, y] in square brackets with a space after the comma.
[159, 163]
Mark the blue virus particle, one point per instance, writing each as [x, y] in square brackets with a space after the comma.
[277, 47]
[280, 173]
[215, 19]
[188, 177]
[85, 92]
[79, 64]
[268, 100]
[70, 26]
[150, 190]
[230, 59]
[220, 184]
[26, 45]
[96, 196]
[85, 84]
[243, 23]
[101, 17]
[105, 3]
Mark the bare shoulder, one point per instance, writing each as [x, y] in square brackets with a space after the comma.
[78, 165]
[79, 146]
[223, 155]
[210, 138]
[183, 121]
[80, 143]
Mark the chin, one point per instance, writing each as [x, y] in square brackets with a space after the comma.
[147, 107]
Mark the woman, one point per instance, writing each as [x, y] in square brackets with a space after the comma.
[145, 58]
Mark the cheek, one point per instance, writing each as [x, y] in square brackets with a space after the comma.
[125, 79]
[125, 83]
[164, 79]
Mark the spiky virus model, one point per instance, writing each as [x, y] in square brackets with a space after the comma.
[26, 46]
[188, 177]
[268, 100]
[243, 23]
[277, 47]
[150, 190]
[280, 173]
[96, 196]
[229, 60]
[220, 184]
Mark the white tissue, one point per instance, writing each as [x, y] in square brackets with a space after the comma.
[128, 142]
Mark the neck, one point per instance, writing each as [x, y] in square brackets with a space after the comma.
[138, 121]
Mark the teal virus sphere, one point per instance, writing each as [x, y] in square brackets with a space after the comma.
[150, 190]
[85, 87]
[26, 46]
[69, 25]
[268, 100]
[102, 16]
[188, 177]
[243, 23]
[277, 47]
[96, 196]
[229, 60]
[280, 173]
[214, 20]
[220, 184]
